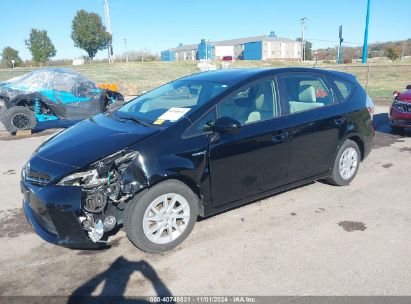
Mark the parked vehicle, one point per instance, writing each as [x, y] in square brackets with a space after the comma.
[51, 94]
[195, 147]
[400, 110]
[227, 58]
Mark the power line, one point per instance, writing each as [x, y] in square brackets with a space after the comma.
[333, 41]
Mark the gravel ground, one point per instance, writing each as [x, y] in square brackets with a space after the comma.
[313, 240]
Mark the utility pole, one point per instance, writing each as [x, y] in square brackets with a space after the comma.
[206, 49]
[108, 27]
[303, 21]
[341, 41]
[403, 51]
[125, 49]
[365, 46]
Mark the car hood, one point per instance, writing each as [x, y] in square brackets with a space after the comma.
[93, 139]
[406, 96]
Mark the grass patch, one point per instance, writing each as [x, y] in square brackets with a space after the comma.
[134, 77]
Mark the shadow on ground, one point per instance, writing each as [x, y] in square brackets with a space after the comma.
[385, 136]
[115, 280]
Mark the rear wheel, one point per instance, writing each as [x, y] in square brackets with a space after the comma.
[346, 164]
[18, 118]
[161, 217]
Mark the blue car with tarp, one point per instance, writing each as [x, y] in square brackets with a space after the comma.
[51, 97]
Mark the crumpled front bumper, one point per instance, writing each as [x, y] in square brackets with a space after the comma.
[51, 211]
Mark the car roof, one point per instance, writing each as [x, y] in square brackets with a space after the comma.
[239, 75]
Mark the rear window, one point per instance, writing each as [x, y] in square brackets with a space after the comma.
[344, 88]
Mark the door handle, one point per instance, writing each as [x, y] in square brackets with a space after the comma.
[277, 138]
[340, 120]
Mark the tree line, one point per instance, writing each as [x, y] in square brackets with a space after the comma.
[88, 33]
[392, 50]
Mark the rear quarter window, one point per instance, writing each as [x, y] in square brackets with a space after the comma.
[344, 89]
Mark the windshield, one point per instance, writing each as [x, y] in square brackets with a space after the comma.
[170, 102]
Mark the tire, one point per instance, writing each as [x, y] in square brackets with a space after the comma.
[18, 118]
[138, 214]
[397, 129]
[352, 158]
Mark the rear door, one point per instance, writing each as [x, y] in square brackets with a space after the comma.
[255, 159]
[316, 124]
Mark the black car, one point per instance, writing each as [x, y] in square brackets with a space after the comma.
[195, 147]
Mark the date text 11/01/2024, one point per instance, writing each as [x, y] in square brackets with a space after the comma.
[203, 299]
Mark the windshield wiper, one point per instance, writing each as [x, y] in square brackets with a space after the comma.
[131, 118]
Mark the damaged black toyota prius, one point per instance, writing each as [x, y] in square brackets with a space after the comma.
[195, 147]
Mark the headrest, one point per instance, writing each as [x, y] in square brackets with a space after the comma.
[260, 103]
[307, 94]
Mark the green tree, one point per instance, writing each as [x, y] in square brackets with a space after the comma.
[392, 53]
[89, 33]
[308, 49]
[8, 55]
[40, 46]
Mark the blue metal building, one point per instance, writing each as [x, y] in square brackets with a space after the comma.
[253, 51]
[167, 56]
[205, 50]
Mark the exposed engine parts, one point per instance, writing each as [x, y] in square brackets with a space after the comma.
[106, 187]
[95, 201]
[109, 222]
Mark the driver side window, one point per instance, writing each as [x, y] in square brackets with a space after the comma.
[251, 104]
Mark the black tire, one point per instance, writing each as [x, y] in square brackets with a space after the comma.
[336, 178]
[397, 129]
[18, 118]
[136, 208]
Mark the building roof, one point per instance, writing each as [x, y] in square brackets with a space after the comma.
[239, 41]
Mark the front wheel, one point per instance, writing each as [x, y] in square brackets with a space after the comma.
[346, 164]
[161, 217]
[18, 118]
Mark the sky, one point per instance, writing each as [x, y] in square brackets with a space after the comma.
[160, 24]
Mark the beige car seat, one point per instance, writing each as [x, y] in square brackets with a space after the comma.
[263, 104]
[307, 100]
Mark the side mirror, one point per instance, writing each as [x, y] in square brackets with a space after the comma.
[408, 87]
[227, 125]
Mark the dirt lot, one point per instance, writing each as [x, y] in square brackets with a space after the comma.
[313, 240]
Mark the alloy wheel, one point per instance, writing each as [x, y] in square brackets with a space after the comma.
[166, 218]
[348, 163]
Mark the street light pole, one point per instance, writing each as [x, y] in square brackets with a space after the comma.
[303, 21]
[365, 46]
[125, 49]
[108, 26]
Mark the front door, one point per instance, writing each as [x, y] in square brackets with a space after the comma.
[255, 159]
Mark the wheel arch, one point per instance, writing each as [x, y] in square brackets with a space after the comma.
[189, 183]
[360, 143]
[29, 103]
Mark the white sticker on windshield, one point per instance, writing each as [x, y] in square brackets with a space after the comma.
[174, 114]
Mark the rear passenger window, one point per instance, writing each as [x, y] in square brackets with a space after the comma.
[305, 93]
[344, 88]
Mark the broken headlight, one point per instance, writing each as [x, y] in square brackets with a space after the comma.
[100, 172]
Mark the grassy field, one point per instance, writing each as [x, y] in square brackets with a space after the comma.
[379, 79]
